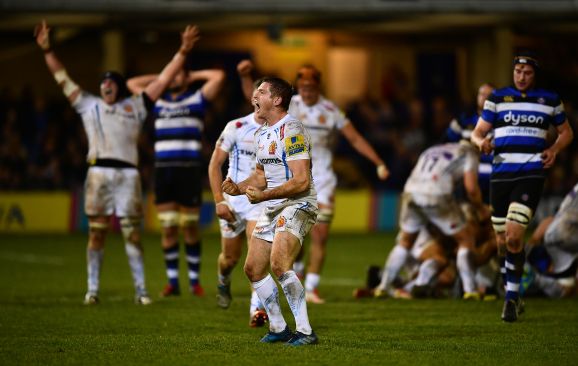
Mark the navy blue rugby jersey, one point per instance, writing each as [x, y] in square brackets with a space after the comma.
[521, 122]
[179, 128]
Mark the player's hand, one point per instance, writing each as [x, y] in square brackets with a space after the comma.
[189, 37]
[549, 158]
[254, 195]
[487, 147]
[224, 211]
[42, 35]
[382, 172]
[230, 187]
[244, 67]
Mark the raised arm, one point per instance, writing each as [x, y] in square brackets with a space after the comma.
[70, 89]
[364, 148]
[138, 84]
[188, 39]
[213, 78]
[244, 69]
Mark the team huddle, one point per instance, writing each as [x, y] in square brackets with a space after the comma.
[467, 201]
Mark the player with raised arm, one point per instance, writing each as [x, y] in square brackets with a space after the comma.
[237, 216]
[112, 123]
[324, 120]
[179, 126]
[282, 178]
[520, 116]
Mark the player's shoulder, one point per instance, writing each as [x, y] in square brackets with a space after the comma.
[327, 104]
[292, 125]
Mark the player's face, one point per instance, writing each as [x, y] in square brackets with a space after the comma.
[108, 91]
[523, 77]
[262, 101]
[309, 92]
[483, 94]
[179, 82]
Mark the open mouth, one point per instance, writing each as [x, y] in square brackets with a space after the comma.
[256, 106]
[107, 91]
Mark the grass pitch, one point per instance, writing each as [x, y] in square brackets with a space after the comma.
[43, 321]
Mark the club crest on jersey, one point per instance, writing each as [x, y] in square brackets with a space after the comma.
[541, 100]
[322, 119]
[281, 221]
[239, 124]
[508, 99]
[272, 148]
[295, 145]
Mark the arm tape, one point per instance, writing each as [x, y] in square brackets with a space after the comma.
[68, 86]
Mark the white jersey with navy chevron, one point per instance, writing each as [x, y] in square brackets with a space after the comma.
[112, 130]
[276, 145]
[521, 122]
[179, 128]
[238, 139]
[439, 168]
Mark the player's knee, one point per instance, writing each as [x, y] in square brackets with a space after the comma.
[251, 271]
[97, 234]
[278, 268]
[519, 214]
[499, 225]
[231, 259]
[130, 228]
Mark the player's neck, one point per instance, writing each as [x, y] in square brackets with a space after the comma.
[275, 117]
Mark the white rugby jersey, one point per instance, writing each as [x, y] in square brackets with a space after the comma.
[275, 145]
[570, 203]
[439, 168]
[322, 121]
[112, 130]
[238, 139]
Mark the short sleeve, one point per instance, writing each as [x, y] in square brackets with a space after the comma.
[489, 113]
[84, 102]
[296, 141]
[226, 140]
[559, 112]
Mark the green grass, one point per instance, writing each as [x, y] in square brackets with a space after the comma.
[43, 321]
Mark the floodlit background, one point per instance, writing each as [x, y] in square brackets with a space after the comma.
[401, 70]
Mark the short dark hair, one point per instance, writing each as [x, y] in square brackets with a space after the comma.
[279, 88]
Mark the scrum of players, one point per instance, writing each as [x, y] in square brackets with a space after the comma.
[446, 245]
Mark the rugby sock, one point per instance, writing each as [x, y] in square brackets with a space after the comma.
[514, 270]
[311, 281]
[396, 259]
[295, 294]
[93, 264]
[466, 270]
[136, 263]
[193, 261]
[172, 264]
[268, 293]
[255, 303]
[427, 270]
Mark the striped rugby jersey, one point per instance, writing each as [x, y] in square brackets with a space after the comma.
[179, 129]
[461, 129]
[520, 122]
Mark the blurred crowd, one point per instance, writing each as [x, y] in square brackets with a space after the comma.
[43, 145]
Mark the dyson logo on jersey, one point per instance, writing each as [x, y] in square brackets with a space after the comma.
[516, 119]
[173, 112]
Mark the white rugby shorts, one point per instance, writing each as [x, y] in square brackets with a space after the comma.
[113, 190]
[444, 212]
[244, 211]
[295, 217]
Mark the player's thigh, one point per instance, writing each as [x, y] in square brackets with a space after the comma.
[99, 192]
[128, 193]
[411, 217]
[258, 257]
[232, 248]
[285, 248]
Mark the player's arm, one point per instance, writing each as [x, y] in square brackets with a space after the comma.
[364, 148]
[480, 136]
[138, 84]
[244, 69]
[213, 79]
[222, 207]
[256, 180]
[565, 136]
[298, 183]
[70, 89]
[188, 39]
